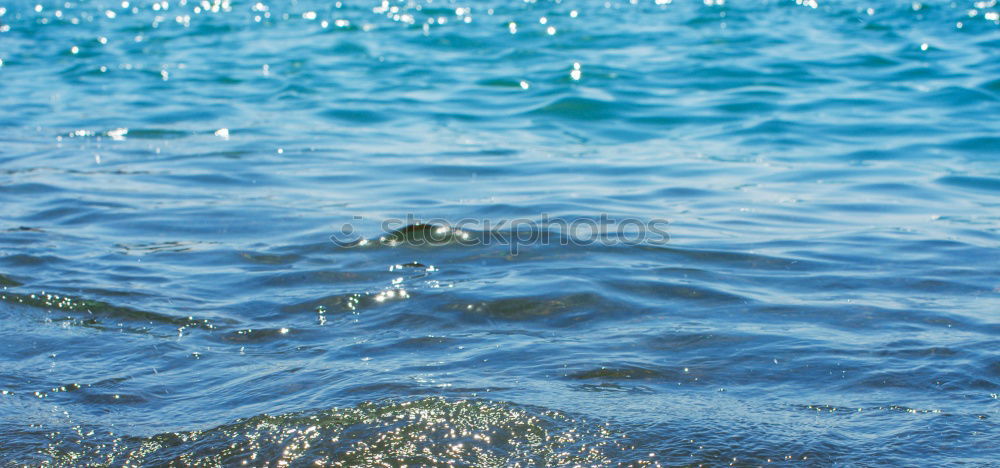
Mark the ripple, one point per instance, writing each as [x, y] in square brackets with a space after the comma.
[427, 432]
[91, 313]
[990, 184]
[357, 117]
[578, 108]
[624, 373]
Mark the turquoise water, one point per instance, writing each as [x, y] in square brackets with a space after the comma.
[196, 270]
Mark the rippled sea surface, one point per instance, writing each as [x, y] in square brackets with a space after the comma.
[171, 174]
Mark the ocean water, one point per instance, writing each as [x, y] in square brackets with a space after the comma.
[198, 263]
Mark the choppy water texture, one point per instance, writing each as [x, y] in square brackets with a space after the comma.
[172, 173]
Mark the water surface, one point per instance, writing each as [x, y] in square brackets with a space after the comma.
[171, 174]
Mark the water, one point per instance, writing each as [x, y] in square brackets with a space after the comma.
[172, 174]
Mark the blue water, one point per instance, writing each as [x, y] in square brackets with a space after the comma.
[195, 269]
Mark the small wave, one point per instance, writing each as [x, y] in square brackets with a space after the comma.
[91, 313]
[425, 432]
[579, 108]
